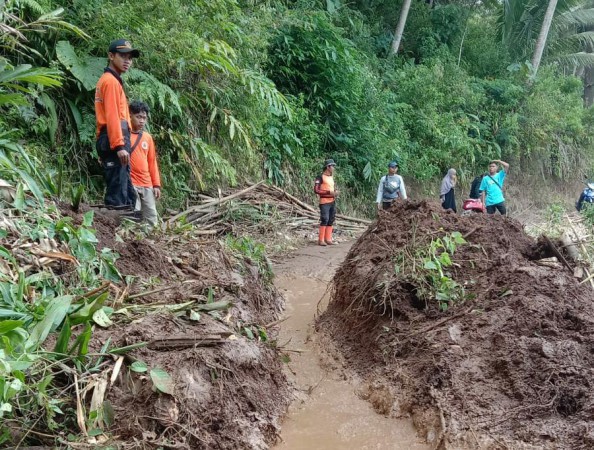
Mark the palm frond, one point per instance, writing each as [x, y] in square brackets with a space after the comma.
[25, 73]
[583, 40]
[579, 17]
[34, 6]
[575, 60]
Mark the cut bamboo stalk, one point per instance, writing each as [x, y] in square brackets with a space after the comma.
[584, 251]
[215, 202]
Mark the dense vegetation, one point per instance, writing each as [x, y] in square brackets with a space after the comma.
[270, 88]
[251, 89]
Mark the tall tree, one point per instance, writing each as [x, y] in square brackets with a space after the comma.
[544, 32]
[400, 27]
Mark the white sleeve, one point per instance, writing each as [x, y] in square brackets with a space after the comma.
[402, 189]
[380, 190]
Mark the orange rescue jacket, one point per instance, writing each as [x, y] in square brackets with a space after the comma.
[111, 108]
[324, 187]
[144, 169]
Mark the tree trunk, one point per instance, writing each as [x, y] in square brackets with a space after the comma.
[542, 37]
[588, 77]
[400, 27]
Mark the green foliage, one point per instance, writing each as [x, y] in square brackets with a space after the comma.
[570, 40]
[244, 91]
[437, 260]
[362, 127]
[35, 304]
[254, 254]
[588, 214]
[86, 70]
[428, 269]
[76, 196]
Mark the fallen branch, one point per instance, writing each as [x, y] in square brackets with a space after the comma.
[215, 202]
[98, 290]
[214, 306]
[354, 219]
[185, 341]
[295, 200]
[556, 252]
[156, 291]
[276, 322]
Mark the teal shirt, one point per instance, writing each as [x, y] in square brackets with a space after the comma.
[494, 193]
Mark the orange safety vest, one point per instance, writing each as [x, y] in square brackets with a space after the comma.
[325, 187]
[144, 169]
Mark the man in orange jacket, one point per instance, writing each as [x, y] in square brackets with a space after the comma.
[326, 190]
[144, 169]
[113, 126]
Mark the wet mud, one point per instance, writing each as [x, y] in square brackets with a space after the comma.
[330, 409]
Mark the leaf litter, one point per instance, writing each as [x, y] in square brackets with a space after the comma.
[150, 347]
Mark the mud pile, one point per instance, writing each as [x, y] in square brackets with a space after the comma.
[509, 364]
[228, 395]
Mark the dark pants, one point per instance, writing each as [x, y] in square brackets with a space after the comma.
[449, 201]
[327, 214]
[119, 191]
[386, 205]
[498, 207]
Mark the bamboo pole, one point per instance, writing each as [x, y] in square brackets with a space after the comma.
[215, 202]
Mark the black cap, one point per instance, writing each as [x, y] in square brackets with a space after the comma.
[329, 162]
[123, 46]
[393, 164]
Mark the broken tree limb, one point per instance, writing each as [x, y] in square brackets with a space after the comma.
[186, 341]
[470, 233]
[556, 252]
[354, 219]
[98, 290]
[584, 250]
[214, 306]
[216, 202]
[569, 245]
[295, 199]
[156, 291]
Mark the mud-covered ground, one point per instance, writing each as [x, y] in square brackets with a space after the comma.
[509, 366]
[230, 395]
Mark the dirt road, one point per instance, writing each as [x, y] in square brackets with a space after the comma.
[328, 413]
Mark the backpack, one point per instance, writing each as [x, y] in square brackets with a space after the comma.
[388, 189]
[317, 181]
[475, 187]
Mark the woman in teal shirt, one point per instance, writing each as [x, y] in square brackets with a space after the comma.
[492, 188]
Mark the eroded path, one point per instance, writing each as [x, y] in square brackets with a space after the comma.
[328, 413]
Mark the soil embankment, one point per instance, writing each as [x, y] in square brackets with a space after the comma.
[509, 364]
[202, 308]
[329, 411]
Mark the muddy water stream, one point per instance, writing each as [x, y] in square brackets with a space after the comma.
[328, 413]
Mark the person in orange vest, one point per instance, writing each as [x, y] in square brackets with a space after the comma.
[144, 169]
[326, 189]
[113, 126]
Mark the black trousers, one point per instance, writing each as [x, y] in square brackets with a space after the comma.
[498, 207]
[119, 191]
[327, 214]
[449, 202]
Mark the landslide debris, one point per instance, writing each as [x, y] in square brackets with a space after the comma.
[494, 351]
[165, 337]
[227, 394]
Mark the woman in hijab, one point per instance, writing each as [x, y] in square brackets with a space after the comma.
[448, 199]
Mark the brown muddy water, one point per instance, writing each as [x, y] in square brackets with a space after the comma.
[327, 413]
